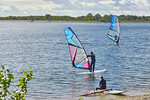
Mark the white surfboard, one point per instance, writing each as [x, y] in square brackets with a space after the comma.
[115, 92]
[96, 71]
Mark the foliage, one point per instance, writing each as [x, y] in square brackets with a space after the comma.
[88, 17]
[5, 80]
[81, 98]
[21, 88]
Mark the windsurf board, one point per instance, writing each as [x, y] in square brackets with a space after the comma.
[96, 71]
[115, 92]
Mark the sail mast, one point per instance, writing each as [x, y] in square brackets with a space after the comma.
[118, 30]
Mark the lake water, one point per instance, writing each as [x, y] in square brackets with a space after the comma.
[43, 47]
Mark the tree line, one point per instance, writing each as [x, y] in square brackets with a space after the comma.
[88, 17]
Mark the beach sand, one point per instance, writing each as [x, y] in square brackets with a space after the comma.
[141, 97]
[130, 95]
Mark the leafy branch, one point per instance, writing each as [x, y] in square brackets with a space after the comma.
[21, 88]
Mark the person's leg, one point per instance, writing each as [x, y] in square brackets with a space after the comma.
[93, 66]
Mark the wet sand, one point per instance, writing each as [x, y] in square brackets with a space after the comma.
[131, 95]
[141, 97]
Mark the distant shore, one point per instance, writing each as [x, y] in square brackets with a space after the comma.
[46, 21]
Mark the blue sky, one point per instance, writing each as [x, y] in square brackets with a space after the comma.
[74, 7]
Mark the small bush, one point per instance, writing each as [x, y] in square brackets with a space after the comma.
[21, 88]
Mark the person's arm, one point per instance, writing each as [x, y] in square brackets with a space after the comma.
[100, 84]
[88, 55]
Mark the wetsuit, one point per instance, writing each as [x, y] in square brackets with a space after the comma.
[92, 65]
[102, 84]
[115, 37]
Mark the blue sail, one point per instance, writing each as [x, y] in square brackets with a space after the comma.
[69, 34]
[114, 30]
[113, 21]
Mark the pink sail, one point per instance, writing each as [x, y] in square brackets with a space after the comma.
[72, 50]
[86, 65]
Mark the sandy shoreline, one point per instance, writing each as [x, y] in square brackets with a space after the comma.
[140, 97]
[131, 95]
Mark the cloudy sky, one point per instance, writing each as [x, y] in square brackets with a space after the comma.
[74, 7]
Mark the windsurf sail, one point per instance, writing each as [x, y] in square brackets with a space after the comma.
[114, 29]
[77, 52]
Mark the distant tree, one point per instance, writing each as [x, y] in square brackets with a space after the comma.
[122, 17]
[48, 16]
[80, 18]
[89, 16]
[97, 17]
[10, 17]
[107, 18]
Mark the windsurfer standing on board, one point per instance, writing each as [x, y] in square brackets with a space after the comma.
[92, 65]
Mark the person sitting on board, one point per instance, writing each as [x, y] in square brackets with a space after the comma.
[92, 65]
[102, 84]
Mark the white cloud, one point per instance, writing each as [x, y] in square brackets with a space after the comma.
[138, 6]
[11, 10]
[74, 7]
[89, 4]
[124, 2]
[143, 3]
[107, 2]
[27, 7]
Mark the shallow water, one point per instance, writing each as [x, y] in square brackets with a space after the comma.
[43, 47]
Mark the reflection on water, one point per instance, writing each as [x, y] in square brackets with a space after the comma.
[43, 47]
